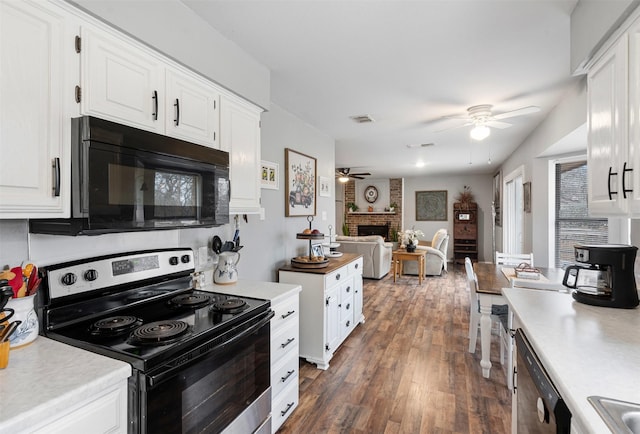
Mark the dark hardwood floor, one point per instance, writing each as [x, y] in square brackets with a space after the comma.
[407, 368]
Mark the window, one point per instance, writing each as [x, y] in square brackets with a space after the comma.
[573, 224]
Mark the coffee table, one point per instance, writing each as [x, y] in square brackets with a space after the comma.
[397, 256]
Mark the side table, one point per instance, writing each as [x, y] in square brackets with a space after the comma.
[397, 256]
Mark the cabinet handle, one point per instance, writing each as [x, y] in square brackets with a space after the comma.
[286, 410]
[348, 306]
[288, 342]
[348, 323]
[338, 276]
[611, 193]
[357, 265]
[177, 106]
[56, 177]
[155, 105]
[624, 171]
[289, 374]
[348, 289]
[326, 302]
[291, 312]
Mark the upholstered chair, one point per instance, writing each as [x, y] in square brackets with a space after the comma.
[436, 258]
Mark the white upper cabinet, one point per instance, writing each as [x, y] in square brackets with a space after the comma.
[125, 82]
[240, 136]
[38, 70]
[192, 108]
[613, 97]
[121, 82]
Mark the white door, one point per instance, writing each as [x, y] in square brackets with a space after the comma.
[513, 215]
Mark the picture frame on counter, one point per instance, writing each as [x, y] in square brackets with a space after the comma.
[269, 175]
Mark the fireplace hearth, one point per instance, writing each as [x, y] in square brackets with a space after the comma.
[382, 230]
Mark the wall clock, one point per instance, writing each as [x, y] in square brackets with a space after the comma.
[371, 194]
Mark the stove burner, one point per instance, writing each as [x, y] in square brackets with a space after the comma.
[114, 325]
[190, 300]
[230, 305]
[159, 332]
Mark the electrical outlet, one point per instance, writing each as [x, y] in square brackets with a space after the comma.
[203, 256]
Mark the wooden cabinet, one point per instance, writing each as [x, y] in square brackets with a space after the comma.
[465, 231]
[330, 305]
[240, 136]
[39, 70]
[613, 101]
[128, 83]
[284, 359]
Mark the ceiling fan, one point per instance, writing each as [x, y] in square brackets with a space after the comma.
[344, 174]
[481, 118]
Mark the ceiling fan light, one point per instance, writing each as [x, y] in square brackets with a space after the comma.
[343, 179]
[480, 132]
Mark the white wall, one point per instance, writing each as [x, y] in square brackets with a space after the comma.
[482, 189]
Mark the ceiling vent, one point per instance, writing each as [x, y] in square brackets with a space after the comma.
[362, 119]
[421, 145]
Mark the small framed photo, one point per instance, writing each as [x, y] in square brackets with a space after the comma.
[324, 188]
[316, 250]
[269, 175]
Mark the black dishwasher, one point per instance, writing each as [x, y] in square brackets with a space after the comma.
[540, 408]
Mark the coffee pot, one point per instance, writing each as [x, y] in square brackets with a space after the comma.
[226, 272]
[608, 280]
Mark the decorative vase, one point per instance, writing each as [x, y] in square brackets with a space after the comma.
[27, 331]
[411, 247]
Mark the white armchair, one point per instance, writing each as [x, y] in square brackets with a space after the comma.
[436, 258]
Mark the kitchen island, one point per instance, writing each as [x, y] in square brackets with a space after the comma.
[586, 350]
[51, 387]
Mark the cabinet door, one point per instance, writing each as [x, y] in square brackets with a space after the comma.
[607, 135]
[192, 108]
[36, 89]
[121, 81]
[634, 115]
[357, 298]
[240, 136]
[332, 319]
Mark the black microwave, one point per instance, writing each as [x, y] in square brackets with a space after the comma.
[124, 179]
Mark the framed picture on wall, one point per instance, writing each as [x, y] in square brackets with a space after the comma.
[324, 188]
[497, 185]
[300, 184]
[431, 205]
[269, 175]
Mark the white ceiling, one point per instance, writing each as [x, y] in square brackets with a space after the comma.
[406, 64]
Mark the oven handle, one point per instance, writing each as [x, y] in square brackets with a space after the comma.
[170, 369]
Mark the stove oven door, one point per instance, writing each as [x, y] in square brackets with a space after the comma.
[221, 385]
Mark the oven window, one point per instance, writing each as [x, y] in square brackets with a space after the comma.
[208, 395]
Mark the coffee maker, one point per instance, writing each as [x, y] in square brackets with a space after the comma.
[608, 280]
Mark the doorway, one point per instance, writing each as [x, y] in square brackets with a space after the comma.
[513, 212]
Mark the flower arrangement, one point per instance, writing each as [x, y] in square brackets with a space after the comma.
[410, 237]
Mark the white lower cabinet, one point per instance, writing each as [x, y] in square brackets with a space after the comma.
[330, 305]
[284, 359]
[106, 413]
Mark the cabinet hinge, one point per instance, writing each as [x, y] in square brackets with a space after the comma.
[78, 94]
[78, 44]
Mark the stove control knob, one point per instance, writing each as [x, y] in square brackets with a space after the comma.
[68, 279]
[185, 259]
[173, 260]
[91, 275]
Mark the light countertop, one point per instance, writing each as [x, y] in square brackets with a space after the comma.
[46, 378]
[586, 350]
[256, 289]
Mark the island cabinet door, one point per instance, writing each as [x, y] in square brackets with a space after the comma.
[332, 312]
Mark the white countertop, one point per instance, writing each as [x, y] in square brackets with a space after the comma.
[46, 378]
[586, 350]
[249, 288]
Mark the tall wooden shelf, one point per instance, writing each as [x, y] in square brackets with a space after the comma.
[465, 231]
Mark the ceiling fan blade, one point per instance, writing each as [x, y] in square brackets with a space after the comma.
[498, 124]
[518, 112]
[361, 174]
[356, 177]
[466, 124]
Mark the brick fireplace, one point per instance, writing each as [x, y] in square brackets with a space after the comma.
[371, 219]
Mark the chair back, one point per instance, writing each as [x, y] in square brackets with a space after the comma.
[514, 258]
[440, 240]
[472, 282]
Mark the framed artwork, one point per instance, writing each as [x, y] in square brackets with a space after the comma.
[497, 184]
[324, 188]
[269, 175]
[316, 250]
[300, 184]
[431, 205]
[526, 196]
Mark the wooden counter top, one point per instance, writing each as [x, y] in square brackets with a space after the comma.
[334, 264]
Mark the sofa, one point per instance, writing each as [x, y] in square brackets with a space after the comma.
[436, 258]
[376, 253]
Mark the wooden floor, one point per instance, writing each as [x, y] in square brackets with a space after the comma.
[407, 368]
